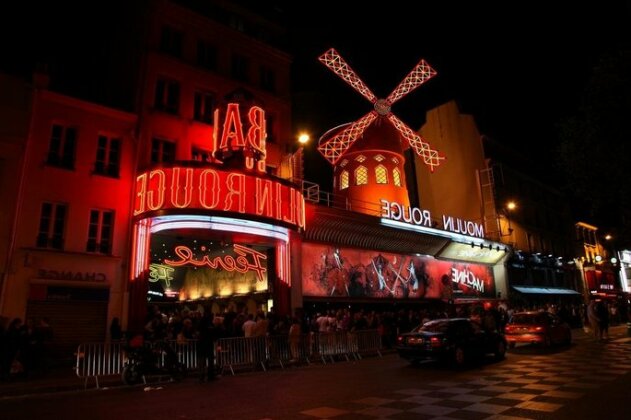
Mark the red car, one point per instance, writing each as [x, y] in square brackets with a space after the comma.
[537, 328]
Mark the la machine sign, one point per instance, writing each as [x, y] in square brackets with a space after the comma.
[420, 217]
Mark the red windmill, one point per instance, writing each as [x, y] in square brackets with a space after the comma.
[373, 168]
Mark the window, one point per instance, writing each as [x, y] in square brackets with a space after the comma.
[107, 156]
[240, 67]
[203, 107]
[379, 158]
[361, 175]
[344, 163]
[61, 149]
[396, 177]
[167, 96]
[162, 151]
[171, 41]
[381, 174]
[201, 155]
[100, 231]
[269, 128]
[360, 158]
[52, 223]
[344, 180]
[206, 55]
[268, 79]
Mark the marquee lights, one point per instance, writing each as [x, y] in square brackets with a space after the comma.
[226, 224]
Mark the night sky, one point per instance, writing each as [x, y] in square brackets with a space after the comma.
[518, 67]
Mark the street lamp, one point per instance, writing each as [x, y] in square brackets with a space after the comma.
[506, 210]
[298, 160]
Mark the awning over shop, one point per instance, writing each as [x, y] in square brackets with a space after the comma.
[545, 290]
[329, 225]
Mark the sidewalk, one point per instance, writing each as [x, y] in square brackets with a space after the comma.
[59, 379]
[64, 379]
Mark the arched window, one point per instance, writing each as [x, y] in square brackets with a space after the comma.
[396, 177]
[344, 180]
[381, 174]
[360, 158]
[361, 175]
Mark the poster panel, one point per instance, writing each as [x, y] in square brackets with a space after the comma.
[329, 271]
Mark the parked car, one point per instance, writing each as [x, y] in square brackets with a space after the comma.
[537, 328]
[457, 340]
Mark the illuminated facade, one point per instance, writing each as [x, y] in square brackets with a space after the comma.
[69, 251]
[538, 229]
[116, 208]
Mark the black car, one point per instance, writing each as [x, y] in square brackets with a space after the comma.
[457, 340]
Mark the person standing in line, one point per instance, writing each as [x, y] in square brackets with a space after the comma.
[206, 347]
[592, 318]
[603, 320]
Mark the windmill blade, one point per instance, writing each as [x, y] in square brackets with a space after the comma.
[333, 60]
[420, 74]
[422, 148]
[335, 147]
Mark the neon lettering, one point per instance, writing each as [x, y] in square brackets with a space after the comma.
[236, 186]
[247, 259]
[156, 192]
[232, 133]
[205, 189]
[185, 194]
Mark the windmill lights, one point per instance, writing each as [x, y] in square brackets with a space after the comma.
[333, 148]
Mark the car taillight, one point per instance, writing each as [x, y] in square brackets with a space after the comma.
[508, 328]
[435, 342]
[400, 339]
[538, 328]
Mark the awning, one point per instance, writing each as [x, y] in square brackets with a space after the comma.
[545, 290]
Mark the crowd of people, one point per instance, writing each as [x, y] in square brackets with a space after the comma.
[24, 347]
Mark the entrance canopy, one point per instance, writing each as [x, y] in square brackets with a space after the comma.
[545, 290]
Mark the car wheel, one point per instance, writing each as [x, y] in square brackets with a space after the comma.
[459, 357]
[500, 350]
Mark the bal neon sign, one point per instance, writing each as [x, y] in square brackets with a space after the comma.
[215, 189]
[232, 136]
[247, 259]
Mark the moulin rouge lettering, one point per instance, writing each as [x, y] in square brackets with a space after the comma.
[247, 259]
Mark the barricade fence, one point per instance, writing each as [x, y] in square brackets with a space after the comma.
[94, 360]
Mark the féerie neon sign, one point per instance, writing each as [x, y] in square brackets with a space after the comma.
[247, 259]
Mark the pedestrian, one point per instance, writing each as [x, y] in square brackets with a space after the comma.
[592, 318]
[206, 346]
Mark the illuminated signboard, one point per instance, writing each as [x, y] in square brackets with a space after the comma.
[420, 217]
[465, 252]
[202, 273]
[219, 190]
[328, 271]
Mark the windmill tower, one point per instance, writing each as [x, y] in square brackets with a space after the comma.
[367, 155]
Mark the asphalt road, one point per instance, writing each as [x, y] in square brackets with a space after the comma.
[587, 380]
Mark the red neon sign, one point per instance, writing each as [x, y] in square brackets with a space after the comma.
[247, 259]
[232, 135]
[215, 189]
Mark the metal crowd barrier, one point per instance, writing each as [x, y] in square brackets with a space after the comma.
[96, 360]
[268, 351]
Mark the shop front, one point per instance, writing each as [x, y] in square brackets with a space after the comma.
[217, 234]
[365, 262]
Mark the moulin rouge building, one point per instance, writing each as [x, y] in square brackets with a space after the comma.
[188, 201]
